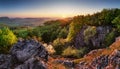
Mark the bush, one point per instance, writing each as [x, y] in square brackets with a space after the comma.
[73, 52]
[7, 39]
[70, 52]
[59, 46]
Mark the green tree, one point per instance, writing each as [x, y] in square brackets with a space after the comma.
[48, 33]
[75, 27]
[63, 33]
[116, 23]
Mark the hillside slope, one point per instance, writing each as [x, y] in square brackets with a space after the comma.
[108, 58]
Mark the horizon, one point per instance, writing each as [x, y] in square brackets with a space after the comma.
[53, 8]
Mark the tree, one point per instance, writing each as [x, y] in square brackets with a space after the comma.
[75, 27]
[116, 23]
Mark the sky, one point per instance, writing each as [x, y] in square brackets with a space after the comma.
[53, 8]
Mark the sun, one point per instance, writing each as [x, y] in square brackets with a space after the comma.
[63, 16]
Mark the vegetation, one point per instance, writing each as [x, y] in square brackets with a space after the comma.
[7, 39]
[110, 37]
[70, 52]
[89, 32]
[73, 52]
[48, 33]
[59, 45]
[116, 22]
[75, 26]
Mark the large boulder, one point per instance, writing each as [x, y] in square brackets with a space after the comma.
[25, 54]
[25, 49]
[32, 63]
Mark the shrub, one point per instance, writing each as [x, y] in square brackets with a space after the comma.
[73, 52]
[59, 46]
[70, 52]
[7, 38]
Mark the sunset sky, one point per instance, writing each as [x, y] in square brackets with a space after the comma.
[53, 8]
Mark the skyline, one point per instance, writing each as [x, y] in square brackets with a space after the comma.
[53, 8]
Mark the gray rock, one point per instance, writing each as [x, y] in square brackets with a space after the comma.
[25, 54]
[102, 62]
[5, 61]
[26, 49]
[32, 63]
[95, 41]
[68, 63]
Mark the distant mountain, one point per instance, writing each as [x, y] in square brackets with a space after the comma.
[24, 21]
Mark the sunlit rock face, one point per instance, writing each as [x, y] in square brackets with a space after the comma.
[25, 54]
[49, 48]
[96, 40]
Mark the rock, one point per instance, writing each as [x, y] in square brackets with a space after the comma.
[32, 63]
[93, 52]
[68, 63]
[117, 38]
[111, 61]
[49, 48]
[95, 41]
[25, 54]
[59, 61]
[23, 50]
[114, 58]
[100, 62]
[5, 61]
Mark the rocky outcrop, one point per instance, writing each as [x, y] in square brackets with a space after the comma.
[5, 61]
[25, 54]
[69, 64]
[94, 41]
[32, 63]
[111, 61]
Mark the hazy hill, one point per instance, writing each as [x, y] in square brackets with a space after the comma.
[24, 21]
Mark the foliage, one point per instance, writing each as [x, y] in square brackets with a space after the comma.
[7, 38]
[63, 33]
[70, 52]
[75, 27]
[89, 32]
[109, 39]
[48, 33]
[73, 52]
[59, 45]
[24, 33]
[116, 22]
[107, 15]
